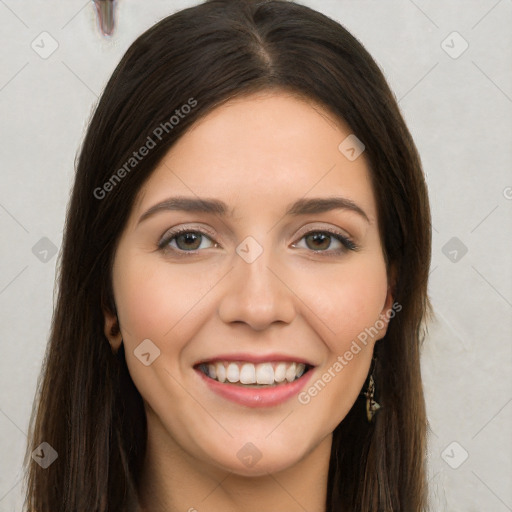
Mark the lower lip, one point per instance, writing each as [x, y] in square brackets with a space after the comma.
[257, 397]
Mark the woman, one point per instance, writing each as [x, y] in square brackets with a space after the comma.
[243, 283]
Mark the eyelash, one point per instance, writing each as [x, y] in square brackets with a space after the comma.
[347, 243]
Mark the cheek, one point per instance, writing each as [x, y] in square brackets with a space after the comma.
[351, 307]
[349, 301]
[159, 302]
[154, 299]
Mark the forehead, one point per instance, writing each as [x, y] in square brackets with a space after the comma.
[262, 151]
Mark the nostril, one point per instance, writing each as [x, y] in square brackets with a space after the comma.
[105, 12]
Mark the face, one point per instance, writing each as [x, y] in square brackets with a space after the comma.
[249, 288]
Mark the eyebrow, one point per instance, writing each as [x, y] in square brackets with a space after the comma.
[217, 207]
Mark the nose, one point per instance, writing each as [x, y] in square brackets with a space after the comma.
[256, 293]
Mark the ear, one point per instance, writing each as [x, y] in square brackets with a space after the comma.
[388, 311]
[391, 288]
[112, 331]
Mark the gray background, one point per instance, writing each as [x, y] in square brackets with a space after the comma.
[458, 106]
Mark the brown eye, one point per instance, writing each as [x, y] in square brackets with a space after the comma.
[188, 241]
[185, 240]
[318, 241]
[321, 241]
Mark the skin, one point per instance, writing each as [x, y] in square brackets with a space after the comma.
[258, 154]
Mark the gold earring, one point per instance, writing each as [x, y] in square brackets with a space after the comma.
[372, 406]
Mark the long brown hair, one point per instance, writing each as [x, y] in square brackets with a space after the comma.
[87, 406]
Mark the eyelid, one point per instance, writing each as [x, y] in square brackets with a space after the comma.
[316, 227]
[346, 241]
[175, 230]
[172, 232]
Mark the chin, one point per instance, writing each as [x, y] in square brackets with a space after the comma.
[249, 461]
[261, 469]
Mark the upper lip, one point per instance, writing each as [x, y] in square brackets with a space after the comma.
[255, 358]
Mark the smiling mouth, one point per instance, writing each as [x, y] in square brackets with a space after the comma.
[249, 375]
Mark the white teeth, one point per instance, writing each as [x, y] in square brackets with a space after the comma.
[249, 373]
[265, 374]
[221, 372]
[290, 373]
[280, 372]
[232, 373]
